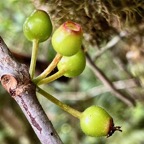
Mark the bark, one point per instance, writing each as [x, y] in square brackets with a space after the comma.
[15, 79]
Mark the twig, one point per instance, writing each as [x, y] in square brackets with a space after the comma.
[98, 90]
[126, 99]
[109, 45]
[15, 79]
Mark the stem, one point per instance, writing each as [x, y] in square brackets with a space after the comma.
[33, 57]
[124, 97]
[48, 70]
[110, 44]
[63, 106]
[52, 77]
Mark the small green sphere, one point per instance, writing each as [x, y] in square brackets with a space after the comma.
[96, 122]
[67, 39]
[38, 26]
[74, 65]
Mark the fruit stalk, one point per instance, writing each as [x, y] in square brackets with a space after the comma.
[63, 106]
[35, 43]
[48, 70]
[52, 77]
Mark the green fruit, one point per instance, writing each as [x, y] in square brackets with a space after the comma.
[73, 65]
[96, 122]
[67, 39]
[38, 26]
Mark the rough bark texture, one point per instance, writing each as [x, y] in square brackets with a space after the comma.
[15, 79]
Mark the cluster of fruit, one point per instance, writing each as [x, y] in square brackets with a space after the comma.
[67, 41]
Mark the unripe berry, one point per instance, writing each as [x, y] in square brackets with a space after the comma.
[38, 26]
[96, 122]
[73, 65]
[67, 39]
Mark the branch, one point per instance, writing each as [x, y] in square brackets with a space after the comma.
[98, 90]
[110, 44]
[15, 79]
[126, 99]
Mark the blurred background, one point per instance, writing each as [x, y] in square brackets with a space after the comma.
[113, 78]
